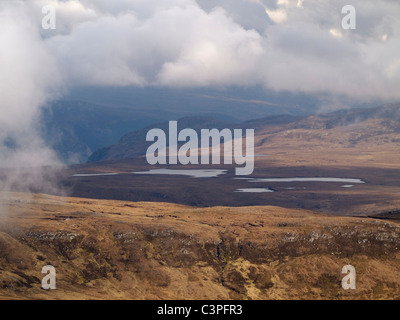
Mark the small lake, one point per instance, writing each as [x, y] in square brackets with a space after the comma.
[199, 173]
[254, 190]
[341, 180]
[94, 174]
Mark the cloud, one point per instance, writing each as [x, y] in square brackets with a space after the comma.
[166, 47]
[218, 51]
[247, 13]
[299, 46]
[291, 45]
[28, 79]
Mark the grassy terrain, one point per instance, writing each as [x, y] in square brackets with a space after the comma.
[106, 249]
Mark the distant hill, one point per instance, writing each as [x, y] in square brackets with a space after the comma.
[75, 129]
[360, 123]
[88, 119]
[92, 118]
[350, 116]
[134, 144]
[230, 102]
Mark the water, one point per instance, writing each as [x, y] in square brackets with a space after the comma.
[254, 190]
[342, 180]
[199, 173]
[94, 174]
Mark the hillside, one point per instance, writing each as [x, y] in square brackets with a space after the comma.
[75, 129]
[339, 130]
[357, 138]
[134, 144]
[123, 250]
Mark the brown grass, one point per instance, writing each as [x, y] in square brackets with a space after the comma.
[114, 249]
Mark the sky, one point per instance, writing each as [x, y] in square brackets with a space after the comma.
[282, 45]
[292, 45]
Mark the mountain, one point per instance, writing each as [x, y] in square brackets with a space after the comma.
[88, 119]
[349, 117]
[75, 129]
[229, 102]
[343, 128]
[134, 144]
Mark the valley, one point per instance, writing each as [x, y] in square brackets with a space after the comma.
[347, 146]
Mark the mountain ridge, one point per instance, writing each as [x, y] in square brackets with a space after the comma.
[134, 143]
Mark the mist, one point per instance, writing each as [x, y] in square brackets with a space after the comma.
[29, 79]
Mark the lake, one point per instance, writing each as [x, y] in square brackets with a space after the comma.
[311, 179]
[94, 174]
[199, 173]
[254, 190]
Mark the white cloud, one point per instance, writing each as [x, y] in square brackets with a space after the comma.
[336, 33]
[28, 79]
[28, 76]
[218, 51]
[277, 16]
[301, 46]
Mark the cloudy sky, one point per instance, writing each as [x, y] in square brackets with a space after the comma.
[291, 45]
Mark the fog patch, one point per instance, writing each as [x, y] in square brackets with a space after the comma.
[29, 79]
